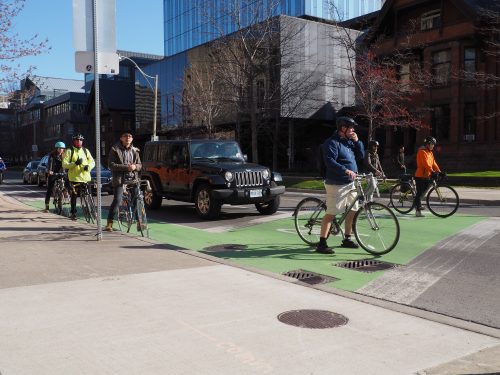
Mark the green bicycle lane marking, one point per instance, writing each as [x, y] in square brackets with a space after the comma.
[275, 246]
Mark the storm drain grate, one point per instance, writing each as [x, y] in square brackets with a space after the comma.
[226, 247]
[317, 319]
[310, 277]
[366, 265]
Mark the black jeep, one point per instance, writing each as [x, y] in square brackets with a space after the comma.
[209, 173]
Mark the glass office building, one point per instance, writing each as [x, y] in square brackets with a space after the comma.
[190, 23]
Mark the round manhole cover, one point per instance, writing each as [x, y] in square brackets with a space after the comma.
[313, 319]
[226, 247]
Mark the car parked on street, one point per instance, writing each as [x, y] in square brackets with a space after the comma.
[42, 170]
[208, 173]
[106, 180]
[30, 173]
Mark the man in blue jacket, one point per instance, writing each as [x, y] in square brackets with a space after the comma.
[340, 152]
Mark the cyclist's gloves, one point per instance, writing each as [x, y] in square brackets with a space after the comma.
[86, 168]
[442, 174]
[79, 161]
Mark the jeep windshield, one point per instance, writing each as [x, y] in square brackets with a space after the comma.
[216, 150]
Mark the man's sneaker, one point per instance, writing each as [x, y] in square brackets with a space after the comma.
[324, 249]
[419, 214]
[347, 242]
[72, 217]
[46, 209]
[141, 227]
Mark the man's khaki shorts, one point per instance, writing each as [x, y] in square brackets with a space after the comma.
[339, 197]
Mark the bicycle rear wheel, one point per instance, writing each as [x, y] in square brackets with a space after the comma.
[442, 200]
[142, 220]
[376, 228]
[401, 197]
[58, 202]
[85, 209]
[307, 218]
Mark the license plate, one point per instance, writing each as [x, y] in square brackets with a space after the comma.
[255, 193]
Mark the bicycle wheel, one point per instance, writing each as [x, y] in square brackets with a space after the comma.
[142, 220]
[308, 216]
[58, 202]
[124, 217]
[401, 197]
[442, 200]
[85, 209]
[376, 228]
[92, 207]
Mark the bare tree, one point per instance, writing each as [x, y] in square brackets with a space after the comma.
[252, 62]
[12, 46]
[202, 97]
[383, 92]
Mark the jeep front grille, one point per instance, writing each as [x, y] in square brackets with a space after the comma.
[245, 179]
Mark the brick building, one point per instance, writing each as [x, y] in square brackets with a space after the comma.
[448, 43]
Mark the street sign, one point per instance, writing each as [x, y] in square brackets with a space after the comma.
[109, 62]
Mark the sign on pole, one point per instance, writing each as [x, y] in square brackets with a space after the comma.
[83, 36]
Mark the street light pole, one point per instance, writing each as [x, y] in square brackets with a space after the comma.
[154, 137]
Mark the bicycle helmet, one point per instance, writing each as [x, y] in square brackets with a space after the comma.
[78, 136]
[345, 121]
[373, 143]
[432, 140]
[60, 145]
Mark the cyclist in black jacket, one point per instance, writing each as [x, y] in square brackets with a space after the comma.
[54, 166]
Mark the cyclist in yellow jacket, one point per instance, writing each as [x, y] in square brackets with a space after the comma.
[426, 166]
[79, 162]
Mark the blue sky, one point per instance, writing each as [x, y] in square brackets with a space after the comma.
[139, 28]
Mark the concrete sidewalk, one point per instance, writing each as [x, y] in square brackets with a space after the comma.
[124, 305]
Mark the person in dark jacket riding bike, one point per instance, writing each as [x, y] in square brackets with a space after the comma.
[54, 165]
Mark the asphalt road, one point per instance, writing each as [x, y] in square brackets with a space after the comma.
[457, 277]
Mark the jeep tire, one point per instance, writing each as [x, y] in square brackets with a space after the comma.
[269, 207]
[152, 200]
[207, 207]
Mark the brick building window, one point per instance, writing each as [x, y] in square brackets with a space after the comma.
[470, 122]
[441, 122]
[430, 20]
[404, 73]
[441, 67]
[469, 63]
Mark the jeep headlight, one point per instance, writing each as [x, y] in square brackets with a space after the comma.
[265, 174]
[228, 176]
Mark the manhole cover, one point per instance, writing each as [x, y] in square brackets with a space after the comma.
[310, 277]
[226, 247]
[366, 265]
[316, 319]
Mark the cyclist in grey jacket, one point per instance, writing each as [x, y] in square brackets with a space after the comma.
[340, 152]
[125, 164]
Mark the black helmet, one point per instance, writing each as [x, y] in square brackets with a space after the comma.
[428, 140]
[372, 143]
[345, 121]
[78, 136]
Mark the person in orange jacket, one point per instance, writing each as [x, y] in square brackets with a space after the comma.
[426, 166]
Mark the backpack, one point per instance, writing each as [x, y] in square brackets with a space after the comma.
[73, 151]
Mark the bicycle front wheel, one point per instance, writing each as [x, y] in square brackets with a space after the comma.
[442, 200]
[58, 202]
[308, 216]
[142, 220]
[376, 228]
[124, 216]
[401, 197]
